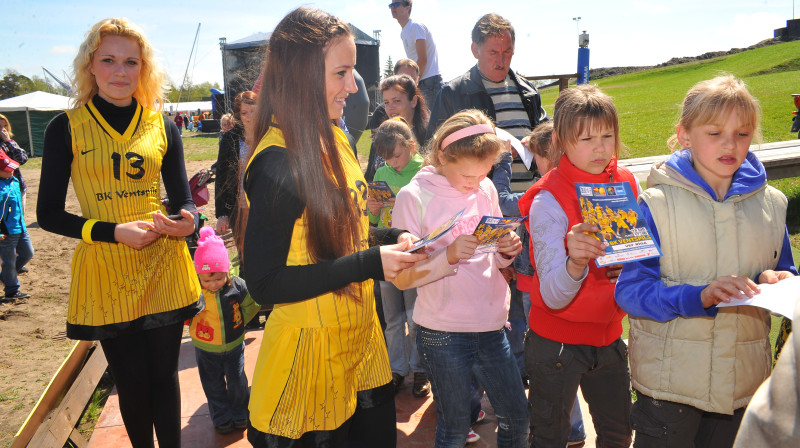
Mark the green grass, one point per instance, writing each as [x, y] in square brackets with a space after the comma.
[649, 101]
[200, 146]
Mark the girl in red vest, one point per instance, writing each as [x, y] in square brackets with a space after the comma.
[575, 323]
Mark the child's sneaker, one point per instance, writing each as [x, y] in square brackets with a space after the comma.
[472, 436]
[422, 387]
[481, 416]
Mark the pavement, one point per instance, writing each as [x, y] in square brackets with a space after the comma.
[416, 417]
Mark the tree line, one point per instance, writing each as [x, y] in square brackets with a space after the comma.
[15, 84]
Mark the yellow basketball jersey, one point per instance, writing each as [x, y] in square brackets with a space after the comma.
[317, 353]
[116, 178]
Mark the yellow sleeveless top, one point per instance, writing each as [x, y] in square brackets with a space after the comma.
[117, 179]
[316, 354]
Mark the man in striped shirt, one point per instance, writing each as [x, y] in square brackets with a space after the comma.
[491, 86]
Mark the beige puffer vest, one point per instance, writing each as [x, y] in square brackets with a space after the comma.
[714, 364]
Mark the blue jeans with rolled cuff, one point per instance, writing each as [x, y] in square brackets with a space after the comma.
[224, 383]
[15, 251]
[450, 360]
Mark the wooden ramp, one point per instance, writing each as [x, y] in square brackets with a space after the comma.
[416, 417]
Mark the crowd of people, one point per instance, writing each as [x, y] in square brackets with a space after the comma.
[353, 312]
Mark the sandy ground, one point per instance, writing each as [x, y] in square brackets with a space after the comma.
[33, 341]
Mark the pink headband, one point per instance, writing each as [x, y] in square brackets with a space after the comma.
[468, 131]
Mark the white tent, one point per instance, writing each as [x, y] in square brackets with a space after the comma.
[35, 101]
[32, 111]
[192, 106]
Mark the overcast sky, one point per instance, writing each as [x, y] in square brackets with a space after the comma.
[47, 33]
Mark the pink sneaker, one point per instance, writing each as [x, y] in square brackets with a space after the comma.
[472, 436]
[481, 416]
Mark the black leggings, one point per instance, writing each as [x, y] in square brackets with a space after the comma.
[145, 369]
[373, 425]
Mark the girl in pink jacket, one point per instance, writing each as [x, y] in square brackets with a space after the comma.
[462, 302]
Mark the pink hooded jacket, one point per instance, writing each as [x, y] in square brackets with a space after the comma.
[470, 296]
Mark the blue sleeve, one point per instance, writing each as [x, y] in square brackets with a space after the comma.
[501, 177]
[640, 291]
[785, 261]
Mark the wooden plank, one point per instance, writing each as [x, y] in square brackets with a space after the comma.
[55, 431]
[77, 439]
[781, 160]
[55, 391]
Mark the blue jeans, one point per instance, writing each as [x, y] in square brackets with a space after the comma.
[15, 251]
[225, 402]
[398, 308]
[576, 430]
[430, 87]
[518, 318]
[450, 359]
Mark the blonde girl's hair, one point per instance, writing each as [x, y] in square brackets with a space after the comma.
[389, 134]
[541, 143]
[712, 100]
[150, 91]
[8, 126]
[479, 146]
[581, 109]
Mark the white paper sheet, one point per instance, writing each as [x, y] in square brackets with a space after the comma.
[524, 153]
[778, 297]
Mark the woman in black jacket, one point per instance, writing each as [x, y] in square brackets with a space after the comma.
[233, 148]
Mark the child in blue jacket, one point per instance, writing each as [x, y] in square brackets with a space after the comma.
[15, 246]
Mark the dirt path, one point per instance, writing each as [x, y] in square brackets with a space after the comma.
[33, 341]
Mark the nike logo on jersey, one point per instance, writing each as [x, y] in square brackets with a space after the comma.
[83, 153]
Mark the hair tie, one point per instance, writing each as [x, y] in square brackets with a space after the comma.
[468, 131]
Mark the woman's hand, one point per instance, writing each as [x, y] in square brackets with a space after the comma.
[180, 227]
[373, 205]
[395, 260]
[582, 248]
[407, 238]
[4, 135]
[462, 248]
[135, 234]
[725, 288]
[223, 225]
[509, 245]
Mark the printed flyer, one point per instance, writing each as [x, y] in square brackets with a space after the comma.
[612, 207]
[492, 228]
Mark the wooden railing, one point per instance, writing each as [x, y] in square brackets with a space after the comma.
[781, 159]
[563, 80]
[52, 422]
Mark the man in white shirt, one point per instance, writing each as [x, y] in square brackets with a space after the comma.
[419, 45]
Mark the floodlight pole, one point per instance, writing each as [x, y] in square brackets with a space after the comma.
[577, 24]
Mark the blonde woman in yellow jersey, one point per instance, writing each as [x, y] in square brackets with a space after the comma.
[322, 376]
[133, 281]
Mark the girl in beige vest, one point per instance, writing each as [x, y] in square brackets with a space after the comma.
[722, 230]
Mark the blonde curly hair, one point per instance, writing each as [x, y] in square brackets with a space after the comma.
[150, 90]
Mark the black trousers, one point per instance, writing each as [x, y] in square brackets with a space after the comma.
[664, 424]
[145, 369]
[556, 370]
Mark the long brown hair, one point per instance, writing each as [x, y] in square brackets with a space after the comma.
[407, 86]
[292, 98]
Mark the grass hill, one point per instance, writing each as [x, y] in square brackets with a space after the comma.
[649, 101]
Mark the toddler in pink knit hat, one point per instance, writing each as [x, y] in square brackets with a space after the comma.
[218, 334]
